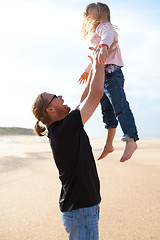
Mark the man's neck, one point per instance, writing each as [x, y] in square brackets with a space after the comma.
[58, 118]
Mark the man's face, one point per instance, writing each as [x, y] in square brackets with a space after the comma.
[56, 103]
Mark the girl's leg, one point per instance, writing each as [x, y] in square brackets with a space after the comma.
[111, 123]
[108, 148]
[114, 90]
[130, 147]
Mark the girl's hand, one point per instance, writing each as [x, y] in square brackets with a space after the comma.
[103, 54]
[106, 52]
[83, 78]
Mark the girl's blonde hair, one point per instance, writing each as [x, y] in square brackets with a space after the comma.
[39, 111]
[89, 24]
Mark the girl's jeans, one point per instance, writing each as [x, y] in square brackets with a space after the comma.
[82, 224]
[115, 106]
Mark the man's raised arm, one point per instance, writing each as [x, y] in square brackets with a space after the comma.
[95, 92]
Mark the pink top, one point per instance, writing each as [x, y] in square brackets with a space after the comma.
[105, 34]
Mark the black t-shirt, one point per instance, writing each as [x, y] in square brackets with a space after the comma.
[75, 162]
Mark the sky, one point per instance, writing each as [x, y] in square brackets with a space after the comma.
[41, 50]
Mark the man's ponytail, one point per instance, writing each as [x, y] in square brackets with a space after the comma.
[39, 111]
[39, 130]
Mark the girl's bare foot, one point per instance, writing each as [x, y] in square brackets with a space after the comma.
[107, 149]
[131, 146]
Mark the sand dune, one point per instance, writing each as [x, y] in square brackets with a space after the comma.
[130, 207]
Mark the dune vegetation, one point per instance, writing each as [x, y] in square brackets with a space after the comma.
[16, 131]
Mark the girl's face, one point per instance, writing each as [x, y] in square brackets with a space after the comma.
[93, 13]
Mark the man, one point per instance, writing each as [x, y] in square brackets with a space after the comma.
[80, 192]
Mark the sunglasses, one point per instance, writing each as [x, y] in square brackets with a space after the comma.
[54, 96]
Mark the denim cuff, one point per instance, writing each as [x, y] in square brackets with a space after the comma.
[126, 138]
[110, 126]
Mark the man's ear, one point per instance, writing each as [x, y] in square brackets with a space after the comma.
[50, 109]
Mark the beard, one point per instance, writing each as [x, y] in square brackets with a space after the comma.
[64, 111]
[67, 109]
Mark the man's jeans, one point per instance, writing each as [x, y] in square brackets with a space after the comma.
[82, 224]
[115, 106]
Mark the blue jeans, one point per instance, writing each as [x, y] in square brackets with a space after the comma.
[82, 224]
[115, 106]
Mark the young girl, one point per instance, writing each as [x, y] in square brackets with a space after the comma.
[98, 29]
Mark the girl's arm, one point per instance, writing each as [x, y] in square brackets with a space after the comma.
[107, 35]
[103, 54]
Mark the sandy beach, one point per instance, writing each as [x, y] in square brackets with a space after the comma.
[29, 191]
